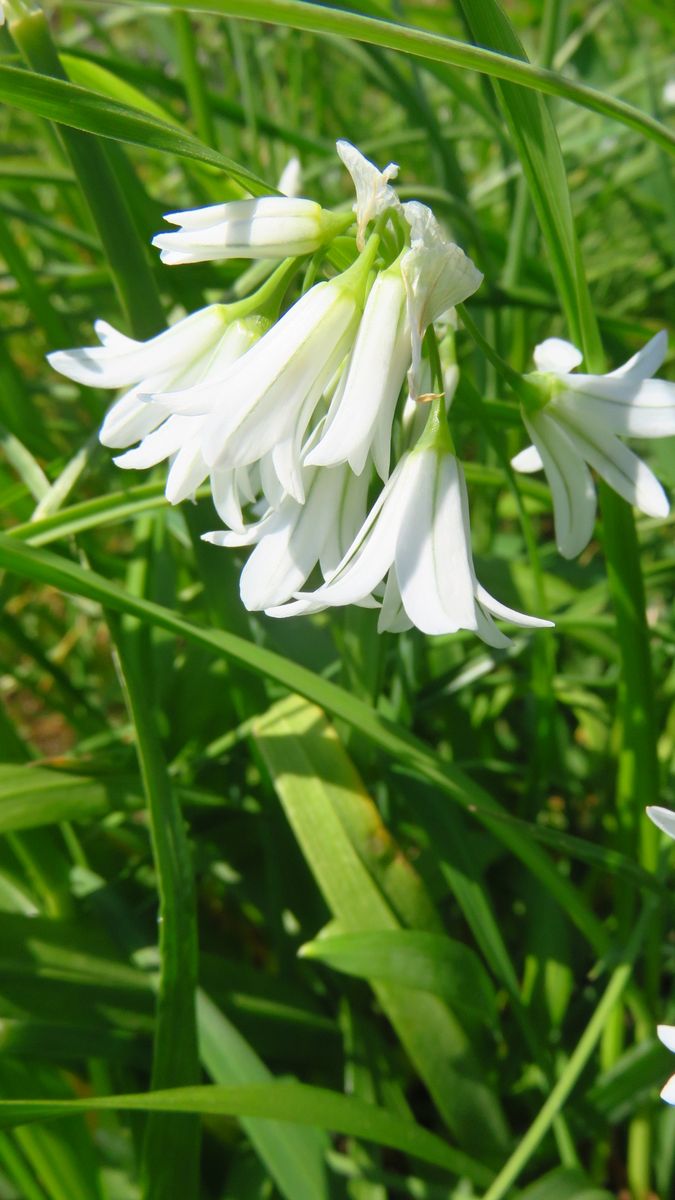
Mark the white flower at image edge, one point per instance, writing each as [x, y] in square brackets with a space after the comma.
[578, 428]
[268, 227]
[265, 401]
[664, 819]
[417, 533]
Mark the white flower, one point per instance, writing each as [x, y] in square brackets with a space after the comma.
[268, 227]
[578, 426]
[360, 417]
[437, 275]
[663, 818]
[666, 1035]
[373, 194]
[265, 402]
[291, 539]
[418, 534]
[290, 180]
[190, 351]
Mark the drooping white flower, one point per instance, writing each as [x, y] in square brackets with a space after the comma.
[291, 539]
[180, 352]
[437, 275]
[417, 538]
[578, 425]
[373, 194]
[267, 227]
[207, 342]
[265, 401]
[360, 417]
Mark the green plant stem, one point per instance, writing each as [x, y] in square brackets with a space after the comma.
[578, 1060]
[127, 259]
[171, 1147]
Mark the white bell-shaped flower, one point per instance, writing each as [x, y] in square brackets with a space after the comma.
[577, 427]
[291, 539]
[268, 227]
[418, 530]
[264, 403]
[360, 417]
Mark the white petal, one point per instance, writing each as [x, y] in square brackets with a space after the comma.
[372, 552]
[267, 388]
[664, 818]
[158, 445]
[666, 1034]
[433, 555]
[668, 1091]
[572, 489]
[131, 418]
[393, 618]
[109, 336]
[373, 194]
[509, 614]
[118, 365]
[290, 180]
[283, 559]
[557, 355]
[187, 472]
[367, 397]
[228, 488]
[646, 362]
[618, 466]
[347, 516]
[528, 461]
[488, 632]
[632, 408]
[437, 275]
[267, 227]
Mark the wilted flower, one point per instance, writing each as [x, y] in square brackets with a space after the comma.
[577, 423]
[373, 194]
[268, 227]
[418, 535]
[437, 275]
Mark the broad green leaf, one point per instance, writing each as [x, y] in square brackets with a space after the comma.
[32, 796]
[293, 1155]
[564, 1184]
[312, 775]
[427, 961]
[405, 749]
[295, 1103]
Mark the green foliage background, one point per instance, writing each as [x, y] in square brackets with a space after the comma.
[413, 923]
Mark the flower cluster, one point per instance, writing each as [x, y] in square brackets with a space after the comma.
[321, 423]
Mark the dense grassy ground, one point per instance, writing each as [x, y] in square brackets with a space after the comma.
[467, 825]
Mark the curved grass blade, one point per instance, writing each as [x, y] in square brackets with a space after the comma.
[77, 107]
[296, 1103]
[297, 14]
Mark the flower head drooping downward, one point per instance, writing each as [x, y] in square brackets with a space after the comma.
[577, 424]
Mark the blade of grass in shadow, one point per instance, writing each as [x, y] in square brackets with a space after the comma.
[403, 747]
[171, 1145]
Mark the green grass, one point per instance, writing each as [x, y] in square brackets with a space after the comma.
[289, 909]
